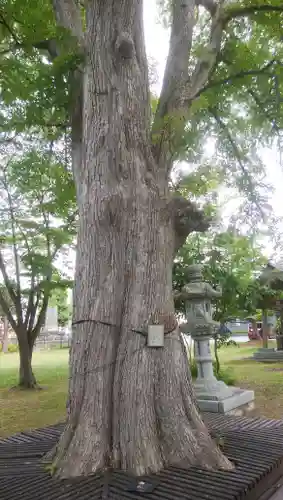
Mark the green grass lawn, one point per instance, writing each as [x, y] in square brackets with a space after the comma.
[266, 379]
[20, 410]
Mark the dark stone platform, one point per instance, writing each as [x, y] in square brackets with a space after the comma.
[255, 445]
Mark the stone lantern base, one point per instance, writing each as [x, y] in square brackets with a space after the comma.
[232, 400]
[268, 355]
[214, 395]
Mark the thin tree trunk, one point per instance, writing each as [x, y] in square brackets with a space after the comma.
[5, 342]
[217, 361]
[26, 376]
[265, 330]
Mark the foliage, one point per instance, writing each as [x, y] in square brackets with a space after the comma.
[260, 296]
[4, 293]
[248, 115]
[229, 260]
[11, 348]
[37, 227]
[247, 75]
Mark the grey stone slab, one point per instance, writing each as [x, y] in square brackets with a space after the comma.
[238, 399]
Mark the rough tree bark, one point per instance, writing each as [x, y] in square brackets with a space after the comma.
[129, 406]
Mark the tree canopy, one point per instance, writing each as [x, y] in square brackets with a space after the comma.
[37, 224]
[37, 229]
[229, 260]
[229, 57]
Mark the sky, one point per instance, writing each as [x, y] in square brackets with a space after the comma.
[157, 41]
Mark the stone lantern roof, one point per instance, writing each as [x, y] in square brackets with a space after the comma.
[272, 276]
[197, 288]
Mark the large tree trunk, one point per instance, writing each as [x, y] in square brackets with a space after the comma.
[26, 376]
[130, 406]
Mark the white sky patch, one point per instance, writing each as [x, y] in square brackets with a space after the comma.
[156, 39]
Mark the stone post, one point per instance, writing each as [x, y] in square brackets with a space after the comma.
[212, 395]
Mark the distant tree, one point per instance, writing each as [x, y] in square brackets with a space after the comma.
[37, 226]
[264, 294]
[230, 260]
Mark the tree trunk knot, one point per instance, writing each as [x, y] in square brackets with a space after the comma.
[187, 218]
[169, 321]
[125, 45]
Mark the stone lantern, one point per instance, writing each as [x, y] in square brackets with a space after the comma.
[212, 395]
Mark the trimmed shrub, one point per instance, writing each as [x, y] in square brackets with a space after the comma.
[13, 348]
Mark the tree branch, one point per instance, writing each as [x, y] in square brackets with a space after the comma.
[209, 5]
[179, 90]
[35, 329]
[234, 12]
[48, 45]
[67, 14]
[18, 306]
[41, 317]
[239, 75]
[7, 282]
[9, 29]
[206, 63]
[6, 309]
[176, 71]
[237, 153]
[30, 305]
[223, 127]
[273, 123]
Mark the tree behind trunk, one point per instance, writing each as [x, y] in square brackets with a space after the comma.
[5, 342]
[26, 376]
